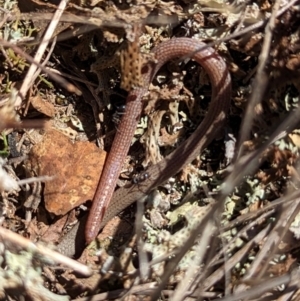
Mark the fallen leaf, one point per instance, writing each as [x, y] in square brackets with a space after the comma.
[76, 168]
[42, 105]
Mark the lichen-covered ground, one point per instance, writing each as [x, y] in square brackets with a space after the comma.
[226, 227]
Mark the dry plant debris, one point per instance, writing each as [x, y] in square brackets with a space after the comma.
[75, 167]
[186, 244]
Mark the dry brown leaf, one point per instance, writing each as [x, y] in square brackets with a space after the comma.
[42, 106]
[76, 168]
